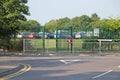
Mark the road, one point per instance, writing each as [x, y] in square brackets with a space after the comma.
[69, 68]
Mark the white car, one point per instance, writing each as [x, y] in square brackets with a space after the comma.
[19, 35]
[77, 35]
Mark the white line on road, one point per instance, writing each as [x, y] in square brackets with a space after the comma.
[119, 66]
[100, 75]
[69, 61]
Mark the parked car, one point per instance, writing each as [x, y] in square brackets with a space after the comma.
[77, 35]
[57, 36]
[83, 34]
[41, 34]
[25, 34]
[50, 35]
[34, 36]
[73, 35]
[80, 34]
[31, 35]
[19, 35]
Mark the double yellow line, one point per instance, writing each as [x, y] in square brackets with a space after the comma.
[26, 68]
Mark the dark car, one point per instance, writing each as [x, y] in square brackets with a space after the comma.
[50, 35]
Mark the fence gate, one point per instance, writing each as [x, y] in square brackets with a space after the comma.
[32, 45]
[35, 45]
[62, 39]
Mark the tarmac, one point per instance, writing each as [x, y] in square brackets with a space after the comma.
[9, 69]
[6, 66]
[6, 63]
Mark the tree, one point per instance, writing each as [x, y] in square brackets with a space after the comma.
[29, 26]
[75, 22]
[63, 22]
[95, 17]
[114, 27]
[85, 21]
[81, 23]
[114, 24]
[50, 26]
[11, 12]
[109, 28]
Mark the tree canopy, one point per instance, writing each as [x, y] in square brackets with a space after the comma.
[11, 12]
[29, 26]
[109, 28]
[80, 22]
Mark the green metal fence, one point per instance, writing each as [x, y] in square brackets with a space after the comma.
[91, 40]
[62, 36]
[35, 45]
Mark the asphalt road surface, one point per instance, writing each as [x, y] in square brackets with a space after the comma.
[69, 68]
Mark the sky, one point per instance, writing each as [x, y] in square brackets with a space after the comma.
[45, 10]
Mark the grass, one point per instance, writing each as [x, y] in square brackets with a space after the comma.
[50, 44]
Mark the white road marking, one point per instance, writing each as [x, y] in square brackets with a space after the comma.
[69, 61]
[119, 66]
[100, 75]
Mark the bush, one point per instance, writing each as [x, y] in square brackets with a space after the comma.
[4, 44]
[90, 44]
[16, 44]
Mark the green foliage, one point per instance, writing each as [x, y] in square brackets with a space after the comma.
[30, 26]
[11, 12]
[114, 24]
[63, 22]
[50, 26]
[16, 44]
[80, 23]
[95, 17]
[109, 28]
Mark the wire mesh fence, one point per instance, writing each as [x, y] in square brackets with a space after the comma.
[78, 46]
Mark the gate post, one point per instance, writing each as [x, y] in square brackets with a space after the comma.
[71, 45]
[56, 38]
[43, 37]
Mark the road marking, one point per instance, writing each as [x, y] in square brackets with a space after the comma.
[69, 61]
[100, 75]
[119, 66]
[25, 69]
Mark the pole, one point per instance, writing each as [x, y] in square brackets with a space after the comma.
[71, 48]
[100, 47]
[56, 38]
[43, 37]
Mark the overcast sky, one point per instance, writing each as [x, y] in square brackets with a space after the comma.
[46, 10]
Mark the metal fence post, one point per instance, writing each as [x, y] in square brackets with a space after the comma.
[24, 45]
[71, 45]
[56, 38]
[43, 37]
